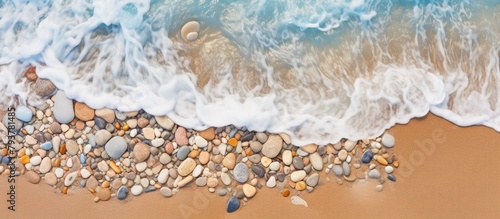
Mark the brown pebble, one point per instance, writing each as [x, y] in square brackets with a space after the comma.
[104, 194]
[62, 148]
[105, 184]
[169, 148]
[31, 73]
[208, 134]
[300, 186]
[382, 160]
[285, 193]
[194, 153]
[32, 177]
[142, 122]
[204, 157]
[396, 164]
[64, 190]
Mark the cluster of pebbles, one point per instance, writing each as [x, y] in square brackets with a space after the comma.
[68, 145]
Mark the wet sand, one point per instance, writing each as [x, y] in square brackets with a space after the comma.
[455, 178]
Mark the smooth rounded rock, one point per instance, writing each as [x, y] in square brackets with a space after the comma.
[298, 175]
[287, 157]
[141, 152]
[101, 137]
[23, 113]
[249, 190]
[122, 193]
[374, 174]
[70, 178]
[136, 190]
[338, 170]
[188, 29]
[316, 161]
[165, 191]
[388, 140]
[63, 108]
[259, 170]
[367, 156]
[312, 180]
[183, 152]
[272, 147]
[186, 167]
[240, 172]
[32, 177]
[116, 147]
[232, 205]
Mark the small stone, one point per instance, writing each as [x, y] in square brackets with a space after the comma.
[232, 205]
[165, 122]
[141, 166]
[382, 160]
[104, 194]
[165, 191]
[85, 173]
[122, 193]
[349, 145]
[72, 147]
[30, 74]
[287, 157]
[313, 180]
[43, 87]
[32, 177]
[181, 137]
[200, 142]
[367, 156]
[240, 173]
[249, 190]
[63, 108]
[224, 177]
[141, 152]
[298, 175]
[266, 161]
[300, 186]
[261, 137]
[310, 148]
[84, 112]
[212, 182]
[99, 122]
[275, 166]
[271, 182]
[285, 193]
[148, 133]
[379, 187]
[50, 178]
[116, 147]
[107, 114]
[298, 163]
[229, 161]
[256, 146]
[273, 146]
[157, 142]
[388, 140]
[136, 190]
[346, 168]
[45, 165]
[189, 31]
[163, 176]
[259, 170]
[374, 174]
[101, 137]
[183, 152]
[389, 169]
[316, 161]
[46, 146]
[55, 127]
[342, 155]
[23, 113]
[208, 134]
[35, 160]
[338, 170]
[70, 178]
[202, 181]
[391, 177]
[186, 167]
[204, 157]
[247, 137]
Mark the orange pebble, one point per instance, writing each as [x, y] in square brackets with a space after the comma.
[194, 153]
[285, 193]
[24, 159]
[294, 153]
[249, 151]
[237, 136]
[233, 142]
[62, 149]
[64, 190]
[125, 127]
[105, 184]
[300, 186]
[117, 125]
[4, 152]
[115, 168]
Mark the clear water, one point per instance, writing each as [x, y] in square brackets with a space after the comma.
[319, 70]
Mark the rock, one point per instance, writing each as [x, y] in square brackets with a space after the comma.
[226, 180]
[367, 156]
[316, 161]
[46, 146]
[200, 142]
[116, 147]
[107, 114]
[274, 166]
[202, 181]
[63, 108]
[221, 192]
[189, 31]
[122, 193]
[141, 166]
[232, 205]
[157, 142]
[55, 127]
[30, 74]
[23, 113]
[84, 112]
[287, 157]
[181, 137]
[313, 180]
[104, 194]
[45, 165]
[389, 169]
[35, 160]
[101, 137]
[32, 177]
[72, 147]
[259, 170]
[165, 191]
[391, 177]
[43, 87]
[165, 122]
[247, 137]
[338, 170]
[249, 190]
[186, 167]
[212, 182]
[388, 140]
[50, 178]
[375, 174]
[240, 173]
[382, 160]
[70, 178]
[261, 137]
[136, 190]
[197, 170]
[273, 146]
[100, 122]
[300, 186]
[163, 176]
[141, 152]
[229, 161]
[310, 148]
[346, 168]
[349, 145]
[148, 133]
[271, 182]
[208, 134]
[256, 146]
[85, 173]
[342, 155]
[265, 161]
[183, 152]
[298, 163]
[204, 157]
[379, 187]
[298, 175]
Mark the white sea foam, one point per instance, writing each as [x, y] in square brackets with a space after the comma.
[318, 70]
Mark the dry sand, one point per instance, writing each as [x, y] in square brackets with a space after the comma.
[456, 179]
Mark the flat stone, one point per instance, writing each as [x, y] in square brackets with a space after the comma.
[273, 146]
[287, 157]
[388, 140]
[165, 191]
[271, 182]
[141, 166]
[197, 170]
[389, 169]
[349, 145]
[183, 152]
[274, 166]
[101, 137]
[316, 161]
[391, 177]
[63, 108]
[208, 134]
[249, 190]
[256, 146]
[45, 165]
[136, 190]
[338, 170]
[141, 152]
[181, 137]
[55, 127]
[84, 112]
[200, 142]
[202, 181]
[35, 160]
[148, 133]
[23, 113]
[229, 161]
[375, 174]
[310, 148]
[212, 182]
[261, 137]
[99, 122]
[221, 192]
[32, 177]
[72, 147]
[165, 122]
[190, 28]
[43, 87]
[367, 156]
[298, 175]
[312, 180]
[46, 145]
[186, 167]
[104, 194]
[342, 155]
[50, 178]
[70, 178]
[226, 180]
[382, 160]
[298, 163]
[259, 170]
[116, 147]
[346, 168]
[247, 137]
[85, 173]
[157, 142]
[233, 204]
[240, 173]
[204, 157]
[107, 114]
[163, 176]
[122, 193]
[379, 187]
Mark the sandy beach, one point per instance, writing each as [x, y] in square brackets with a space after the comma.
[454, 176]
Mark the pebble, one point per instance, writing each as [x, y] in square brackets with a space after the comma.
[46, 146]
[379, 187]
[316, 161]
[157, 142]
[226, 180]
[23, 113]
[233, 204]
[35, 160]
[165, 122]
[189, 31]
[229, 161]
[197, 170]
[275, 166]
[298, 175]
[122, 193]
[101, 137]
[200, 142]
[391, 177]
[249, 190]
[247, 137]
[342, 155]
[338, 170]
[388, 140]
[63, 108]
[72, 147]
[142, 152]
[45, 165]
[84, 112]
[259, 170]
[165, 191]
[148, 133]
[116, 147]
[183, 152]
[261, 137]
[163, 176]
[382, 160]
[50, 178]
[30, 140]
[44, 87]
[185, 181]
[240, 173]
[204, 157]
[70, 178]
[367, 156]
[107, 114]
[272, 147]
[256, 146]
[186, 167]
[136, 190]
[313, 180]
[287, 157]
[271, 182]
[298, 163]
[300, 186]
[181, 137]
[55, 127]
[104, 194]
[349, 145]
[85, 173]
[212, 182]
[389, 169]
[32, 177]
[374, 174]
[141, 166]
[346, 168]
[310, 148]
